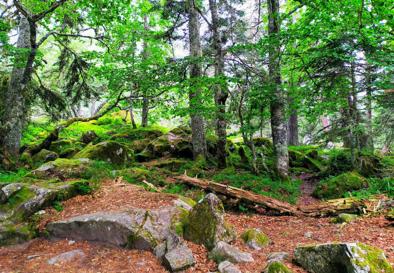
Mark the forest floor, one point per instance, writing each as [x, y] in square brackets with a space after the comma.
[285, 232]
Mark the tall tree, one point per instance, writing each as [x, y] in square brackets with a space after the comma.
[197, 120]
[220, 88]
[278, 101]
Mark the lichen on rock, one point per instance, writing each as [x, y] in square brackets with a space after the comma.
[206, 224]
[342, 257]
[255, 238]
[277, 267]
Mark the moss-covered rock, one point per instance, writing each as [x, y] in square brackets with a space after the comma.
[44, 156]
[336, 187]
[390, 216]
[129, 134]
[61, 145]
[88, 137]
[62, 168]
[108, 151]
[301, 160]
[277, 267]
[206, 224]
[255, 238]
[344, 218]
[342, 257]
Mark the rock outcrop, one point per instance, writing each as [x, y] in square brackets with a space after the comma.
[135, 229]
[342, 257]
[227, 267]
[108, 151]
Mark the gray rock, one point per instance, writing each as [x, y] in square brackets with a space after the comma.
[67, 257]
[227, 267]
[137, 229]
[277, 256]
[342, 257]
[255, 238]
[206, 223]
[42, 198]
[223, 251]
[308, 234]
[8, 190]
[179, 258]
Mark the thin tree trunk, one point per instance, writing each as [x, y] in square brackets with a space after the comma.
[293, 125]
[368, 81]
[278, 102]
[145, 99]
[221, 93]
[197, 121]
[132, 114]
[15, 104]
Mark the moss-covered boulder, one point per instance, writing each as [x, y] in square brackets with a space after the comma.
[225, 252]
[342, 257]
[61, 145]
[337, 186]
[108, 151]
[277, 267]
[88, 137]
[300, 160]
[255, 238]
[344, 218]
[206, 224]
[44, 156]
[62, 168]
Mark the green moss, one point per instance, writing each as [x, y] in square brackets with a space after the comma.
[180, 221]
[255, 236]
[372, 258]
[6, 177]
[18, 198]
[344, 218]
[277, 267]
[108, 151]
[187, 200]
[336, 187]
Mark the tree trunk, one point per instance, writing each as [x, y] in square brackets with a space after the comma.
[197, 121]
[132, 114]
[15, 104]
[145, 99]
[221, 93]
[293, 126]
[278, 102]
[368, 82]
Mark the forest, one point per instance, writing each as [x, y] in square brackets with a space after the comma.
[231, 136]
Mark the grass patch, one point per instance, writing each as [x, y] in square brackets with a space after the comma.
[11, 177]
[282, 190]
[376, 186]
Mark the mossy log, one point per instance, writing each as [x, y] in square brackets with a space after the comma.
[273, 206]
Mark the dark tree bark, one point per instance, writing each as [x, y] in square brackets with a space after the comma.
[131, 111]
[197, 120]
[15, 104]
[145, 99]
[220, 89]
[278, 101]
[293, 125]
[368, 82]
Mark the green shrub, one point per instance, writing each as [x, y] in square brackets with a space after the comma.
[338, 186]
[376, 186]
[11, 177]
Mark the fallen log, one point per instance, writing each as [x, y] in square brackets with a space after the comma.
[266, 202]
[322, 209]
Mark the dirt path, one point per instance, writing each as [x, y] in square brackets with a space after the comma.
[308, 185]
[285, 233]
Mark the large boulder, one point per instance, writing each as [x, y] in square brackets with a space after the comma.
[109, 151]
[177, 143]
[44, 156]
[67, 257]
[337, 186]
[206, 224]
[225, 252]
[136, 229]
[62, 168]
[342, 258]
